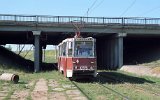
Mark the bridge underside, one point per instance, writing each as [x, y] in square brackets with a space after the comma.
[113, 49]
[141, 49]
[132, 49]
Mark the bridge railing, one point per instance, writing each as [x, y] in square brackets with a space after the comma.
[80, 20]
[145, 21]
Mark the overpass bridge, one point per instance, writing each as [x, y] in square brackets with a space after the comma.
[111, 33]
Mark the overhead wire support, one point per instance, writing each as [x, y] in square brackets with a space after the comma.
[87, 12]
[28, 51]
[77, 28]
[20, 50]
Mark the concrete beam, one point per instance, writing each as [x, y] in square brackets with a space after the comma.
[129, 30]
[37, 51]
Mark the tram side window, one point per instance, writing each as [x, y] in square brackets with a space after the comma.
[64, 49]
[59, 51]
[70, 45]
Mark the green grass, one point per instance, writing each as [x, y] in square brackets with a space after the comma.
[136, 88]
[26, 78]
[91, 88]
[155, 80]
[50, 55]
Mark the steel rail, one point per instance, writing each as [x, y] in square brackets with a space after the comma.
[123, 96]
[116, 92]
[135, 86]
[108, 88]
[80, 90]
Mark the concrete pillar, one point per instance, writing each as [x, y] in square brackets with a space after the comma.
[37, 51]
[119, 49]
[120, 52]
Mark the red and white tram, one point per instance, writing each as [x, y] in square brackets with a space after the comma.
[77, 57]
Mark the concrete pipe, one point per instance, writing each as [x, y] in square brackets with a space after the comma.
[9, 77]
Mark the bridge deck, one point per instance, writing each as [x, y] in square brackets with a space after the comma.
[66, 20]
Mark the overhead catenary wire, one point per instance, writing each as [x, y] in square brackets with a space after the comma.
[130, 6]
[93, 4]
[97, 6]
[86, 13]
[149, 11]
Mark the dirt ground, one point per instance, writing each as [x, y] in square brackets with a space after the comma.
[142, 70]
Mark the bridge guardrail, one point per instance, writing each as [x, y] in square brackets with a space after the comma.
[80, 20]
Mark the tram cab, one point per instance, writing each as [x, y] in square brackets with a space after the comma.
[77, 57]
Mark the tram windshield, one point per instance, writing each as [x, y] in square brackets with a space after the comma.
[84, 49]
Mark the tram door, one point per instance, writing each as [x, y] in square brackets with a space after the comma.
[69, 58]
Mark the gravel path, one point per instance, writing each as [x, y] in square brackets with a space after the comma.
[40, 90]
[43, 90]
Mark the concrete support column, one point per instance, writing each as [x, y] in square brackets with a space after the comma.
[119, 49]
[37, 51]
[120, 52]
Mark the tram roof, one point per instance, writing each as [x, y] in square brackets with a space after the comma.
[77, 39]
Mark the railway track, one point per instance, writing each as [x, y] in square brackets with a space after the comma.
[116, 92]
[99, 81]
[113, 78]
[103, 86]
[80, 90]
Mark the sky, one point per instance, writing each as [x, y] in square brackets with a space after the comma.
[91, 8]
[97, 8]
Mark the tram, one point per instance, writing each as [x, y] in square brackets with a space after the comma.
[77, 57]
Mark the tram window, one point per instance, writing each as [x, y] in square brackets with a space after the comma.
[59, 53]
[70, 48]
[64, 49]
[84, 49]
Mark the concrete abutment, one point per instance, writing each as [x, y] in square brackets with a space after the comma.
[110, 51]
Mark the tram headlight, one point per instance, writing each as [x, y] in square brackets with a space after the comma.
[92, 67]
[92, 62]
[74, 62]
[75, 67]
